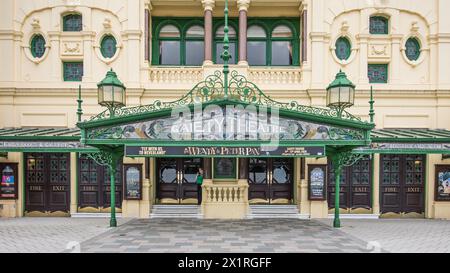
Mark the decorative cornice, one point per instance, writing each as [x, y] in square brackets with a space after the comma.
[243, 4]
[208, 4]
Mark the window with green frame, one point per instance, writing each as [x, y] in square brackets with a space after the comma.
[378, 25]
[108, 46]
[225, 168]
[73, 71]
[273, 41]
[412, 49]
[37, 46]
[72, 22]
[377, 73]
[343, 48]
[218, 44]
[178, 41]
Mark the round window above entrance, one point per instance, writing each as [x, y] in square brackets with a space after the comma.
[108, 46]
[37, 46]
[412, 49]
[343, 48]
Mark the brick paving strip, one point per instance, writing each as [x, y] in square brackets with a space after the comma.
[193, 235]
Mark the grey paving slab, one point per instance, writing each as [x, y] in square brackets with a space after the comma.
[251, 235]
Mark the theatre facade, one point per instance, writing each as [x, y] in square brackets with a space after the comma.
[242, 93]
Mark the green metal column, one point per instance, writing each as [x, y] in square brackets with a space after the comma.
[112, 169]
[337, 190]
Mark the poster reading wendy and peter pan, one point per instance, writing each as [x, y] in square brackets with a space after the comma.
[442, 183]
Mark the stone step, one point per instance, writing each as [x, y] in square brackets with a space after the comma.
[173, 215]
[176, 211]
[275, 211]
[94, 215]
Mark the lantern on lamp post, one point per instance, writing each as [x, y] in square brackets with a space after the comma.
[111, 92]
[340, 93]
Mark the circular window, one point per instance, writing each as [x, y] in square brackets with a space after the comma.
[412, 49]
[37, 46]
[108, 46]
[343, 48]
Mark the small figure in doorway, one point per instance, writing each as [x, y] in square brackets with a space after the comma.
[199, 185]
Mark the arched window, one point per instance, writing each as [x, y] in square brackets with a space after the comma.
[108, 46]
[195, 45]
[72, 22]
[281, 45]
[379, 25]
[169, 45]
[37, 46]
[256, 45]
[343, 48]
[232, 35]
[412, 49]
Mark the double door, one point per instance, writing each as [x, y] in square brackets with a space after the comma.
[402, 179]
[270, 180]
[177, 180]
[47, 182]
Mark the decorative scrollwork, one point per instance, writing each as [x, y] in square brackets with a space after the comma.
[212, 89]
[345, 159]
[101, 158]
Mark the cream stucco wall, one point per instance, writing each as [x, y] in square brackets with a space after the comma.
[417, 95]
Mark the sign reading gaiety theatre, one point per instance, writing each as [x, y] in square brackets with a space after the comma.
[219, 151]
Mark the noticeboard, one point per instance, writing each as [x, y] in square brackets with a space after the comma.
[9, 178]
[317, 188]
[132, 179]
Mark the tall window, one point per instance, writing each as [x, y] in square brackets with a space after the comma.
[169, 45]
[72, 22]
[272, 42]
[256, 45]
[379, 25]
[281, 42]
[218, 41]
[195, 46]
[177, 48]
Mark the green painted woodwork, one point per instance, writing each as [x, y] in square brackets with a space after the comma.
[412, 49]
[269, 24]
[37, 46]
[108, 46]
[72, 22]
[218, 40]
[377, 73]
[343, 48]
[73, 71]
[378, 25]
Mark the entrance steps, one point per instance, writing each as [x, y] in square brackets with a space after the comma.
[275, 211]
[176, 211]
[94, 215]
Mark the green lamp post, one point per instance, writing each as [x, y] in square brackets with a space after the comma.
[340, 93]
[111, 92]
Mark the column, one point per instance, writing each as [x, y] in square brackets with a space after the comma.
[243, 8]
[73, 182]
[376, 184]
[395, 58]
[208, 6]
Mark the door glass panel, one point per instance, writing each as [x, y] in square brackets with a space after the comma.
[195, 52]
[168, 171]
[281, 171]
[257, 173]
[256, 51]
[169, 53]
[190, 169]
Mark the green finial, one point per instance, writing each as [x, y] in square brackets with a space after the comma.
[371, 101]
[79, 100]
[226, 54]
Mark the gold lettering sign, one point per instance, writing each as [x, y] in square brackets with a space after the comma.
[360, 189]
[89, 188]
[152, 151]
[58, 188]
[390, 190]
[35, 188]
[413, 189]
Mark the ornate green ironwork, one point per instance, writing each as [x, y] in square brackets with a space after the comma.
[213, 89]
[79, 101]
[371, 102]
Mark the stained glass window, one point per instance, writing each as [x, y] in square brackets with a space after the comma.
[37, 46]
[73, 71]
[343, 48]
[379, 25]
[412, 49]
[108, 46]
[378, 73]
[72, 22]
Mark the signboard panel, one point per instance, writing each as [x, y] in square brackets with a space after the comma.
[442, 183]
[317, 182]
[9, 178]
[220, 151]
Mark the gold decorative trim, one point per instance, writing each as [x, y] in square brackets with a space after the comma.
[258, 201]
[361, 211]
[108, 209]
[168, 201]
[189, 201]
[402, 215]
[341, 211]
[283, 201]
[88, 209]
[47, 213]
